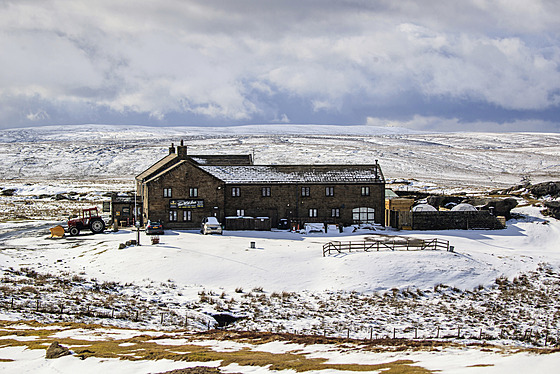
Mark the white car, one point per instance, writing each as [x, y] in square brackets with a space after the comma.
[211, 225]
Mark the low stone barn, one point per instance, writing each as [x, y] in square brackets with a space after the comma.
[181, 189]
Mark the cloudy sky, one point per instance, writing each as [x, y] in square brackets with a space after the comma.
[425, 64]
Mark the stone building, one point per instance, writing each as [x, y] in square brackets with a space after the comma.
[181, 189]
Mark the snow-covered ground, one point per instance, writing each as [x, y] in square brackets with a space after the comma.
[496, 285]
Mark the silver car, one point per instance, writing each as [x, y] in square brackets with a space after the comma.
[211, 225]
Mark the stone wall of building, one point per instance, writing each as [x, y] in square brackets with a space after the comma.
[449, 220]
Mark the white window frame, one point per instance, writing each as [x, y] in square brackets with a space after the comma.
[193, 192]
[187, 215]
[306, 191]
[235, 191]
[366, 191]
[172, 216]
[240, 212]
[167, 192]
[335, 212]
[329, 191]
[313, 213]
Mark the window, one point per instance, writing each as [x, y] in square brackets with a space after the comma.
[235, 191]
[240, 212]
[167, 192]
[365, 191]
[313, 213]
[335, 212]
[329, 191]
[266, 191]
[187, 215]
[172, 216]
[363, 215]
[305, 191]
[193, 192]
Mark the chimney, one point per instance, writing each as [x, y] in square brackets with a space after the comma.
[182, 150]
[172, 149]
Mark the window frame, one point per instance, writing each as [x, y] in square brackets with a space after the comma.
[167, 192]
[313, 213]
[266, 191]
[366, 191]
[193, 192]
[235, 191]
[329, 191]
[187, 215]
[173, 215]
[335, 212]
[305, 191]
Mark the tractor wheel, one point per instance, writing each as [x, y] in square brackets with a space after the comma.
[74, 231]
[97, 226]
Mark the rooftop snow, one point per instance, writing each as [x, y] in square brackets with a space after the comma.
[296, 174]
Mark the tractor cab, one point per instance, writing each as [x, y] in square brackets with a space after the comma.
[89, 220]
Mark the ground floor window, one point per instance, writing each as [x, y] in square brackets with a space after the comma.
[313, 213]
[172, 216]
[363, 215]
[240, 212]
[187, 215]
[335, 212]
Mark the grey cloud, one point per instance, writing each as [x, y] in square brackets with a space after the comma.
[228, 62]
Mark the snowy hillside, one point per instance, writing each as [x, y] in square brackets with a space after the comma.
[452, 160]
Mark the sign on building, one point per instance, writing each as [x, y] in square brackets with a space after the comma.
[186, 204]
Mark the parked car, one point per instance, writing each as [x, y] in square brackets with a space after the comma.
[154, 228]
[211, 225]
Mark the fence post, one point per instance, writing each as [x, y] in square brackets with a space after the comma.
[162, 318]
[37, 309]
[370, 333]
[416, 333]
[394, 332]
[437, 334]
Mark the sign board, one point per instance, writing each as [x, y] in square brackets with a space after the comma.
[186, 204]
[123, 199]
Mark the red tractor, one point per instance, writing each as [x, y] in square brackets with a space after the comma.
[90, 220]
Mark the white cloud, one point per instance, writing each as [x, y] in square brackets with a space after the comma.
[238, 61]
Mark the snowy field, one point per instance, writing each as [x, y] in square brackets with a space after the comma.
[500, 287]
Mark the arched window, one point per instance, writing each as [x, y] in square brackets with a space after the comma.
[363, 215]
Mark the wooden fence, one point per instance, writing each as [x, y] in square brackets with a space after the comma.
[393, 244]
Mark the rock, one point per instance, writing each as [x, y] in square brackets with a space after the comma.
[9, 191]
[499, 207]
[55, 350]
[545, 189]
[439, 201]
[553, 208]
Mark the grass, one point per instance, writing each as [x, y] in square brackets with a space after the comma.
[145, 347]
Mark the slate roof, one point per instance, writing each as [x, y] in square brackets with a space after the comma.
[161, 164]
[222, 159]
[261, 174]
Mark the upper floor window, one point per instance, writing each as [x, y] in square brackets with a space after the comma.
[167, 192]
[235, 191]
[265, 191]
[240, 212]
[329, 191]
[313, 213]
[193, 192]
[305, 191]
[365, 191]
